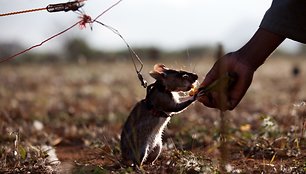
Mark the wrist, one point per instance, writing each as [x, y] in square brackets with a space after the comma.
[254, 53]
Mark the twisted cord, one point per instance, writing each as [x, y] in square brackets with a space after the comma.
[21, 12]
[46, 40]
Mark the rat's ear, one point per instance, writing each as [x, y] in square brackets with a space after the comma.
[159, 71]
[157, 75]
[159, 68]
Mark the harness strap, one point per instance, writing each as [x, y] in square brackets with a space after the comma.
[155, 112]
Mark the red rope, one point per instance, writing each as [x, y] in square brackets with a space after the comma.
[20, 12]
[48, 39]
[84, 20]
[107, 10]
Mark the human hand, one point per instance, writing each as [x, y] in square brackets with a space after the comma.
[230, 63]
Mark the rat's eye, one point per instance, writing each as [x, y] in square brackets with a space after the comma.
[185, 76]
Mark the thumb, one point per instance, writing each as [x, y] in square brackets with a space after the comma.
[210, 77]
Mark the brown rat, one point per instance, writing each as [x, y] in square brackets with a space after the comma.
[141, 137]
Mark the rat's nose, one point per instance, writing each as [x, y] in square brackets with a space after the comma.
[194, 77]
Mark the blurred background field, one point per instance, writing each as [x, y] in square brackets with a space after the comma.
[78, 108]
[62, 105]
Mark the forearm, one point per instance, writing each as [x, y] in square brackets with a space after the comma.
[260, 46]
[287, 18]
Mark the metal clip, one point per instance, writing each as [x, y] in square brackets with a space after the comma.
[142, 81]
[73, 6]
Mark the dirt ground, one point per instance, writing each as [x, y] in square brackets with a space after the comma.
[78, 110]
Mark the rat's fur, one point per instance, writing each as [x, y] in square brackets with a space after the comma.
[141, 137]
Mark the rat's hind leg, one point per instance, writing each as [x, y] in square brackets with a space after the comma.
[143, 155]
[154, 154]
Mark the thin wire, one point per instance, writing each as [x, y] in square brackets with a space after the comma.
[24, 11]
[82, 22]
[48, 39]
[131, 51]
[105, 11]
[133, 54]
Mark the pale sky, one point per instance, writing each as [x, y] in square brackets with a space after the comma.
[167, 24]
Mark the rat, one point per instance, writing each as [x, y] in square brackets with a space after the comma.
[141, 137]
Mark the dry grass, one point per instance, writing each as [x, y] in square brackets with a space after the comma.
[81, 108]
